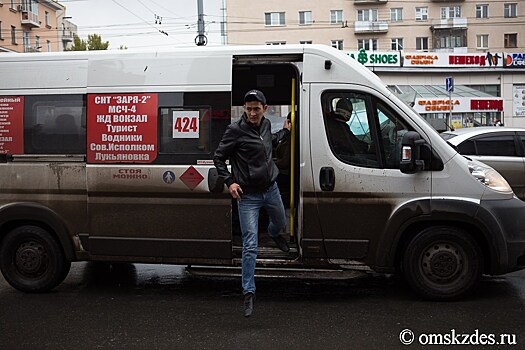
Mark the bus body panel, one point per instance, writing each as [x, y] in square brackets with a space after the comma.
[168, 204]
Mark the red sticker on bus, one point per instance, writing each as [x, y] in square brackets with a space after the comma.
[122, 128]
[11, 124]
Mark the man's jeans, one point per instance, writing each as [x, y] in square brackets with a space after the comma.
[249, 207]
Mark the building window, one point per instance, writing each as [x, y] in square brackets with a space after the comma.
[37, 43]
[396, 15]
[305, 42]
[451, 42]
[47, 18]
[338, 44]
[367, 15]
[367, 44]
[482, 11]
[12, 4]
[1, 35]
[396, 44]
[422, 44]
[450, 12]
[276, 43]
[482, 41]
[511, 10]
[305, 18]
[336, 16]
[48, 45]
[27, 41]
[421, 13]
[274, 19]
[511, 40]
[13, 35]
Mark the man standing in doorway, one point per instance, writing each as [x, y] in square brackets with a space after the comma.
[248, 145]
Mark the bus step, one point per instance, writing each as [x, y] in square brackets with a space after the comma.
[269, 252]
[265, 272]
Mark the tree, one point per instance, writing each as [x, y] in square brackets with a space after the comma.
[78, 44]
[94, 42]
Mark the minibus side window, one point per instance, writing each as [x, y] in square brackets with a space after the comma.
[362, 131]
[55, 124]
[190, 126]
[348, 129]
[185, 130]
[392, 131]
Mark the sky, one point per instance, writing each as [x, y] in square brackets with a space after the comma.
[139, 24]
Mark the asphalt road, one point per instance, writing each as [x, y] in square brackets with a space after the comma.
[101, 306]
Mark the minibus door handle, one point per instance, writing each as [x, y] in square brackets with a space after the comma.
[327, 178]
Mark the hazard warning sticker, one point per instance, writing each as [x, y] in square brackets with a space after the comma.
[191, 178]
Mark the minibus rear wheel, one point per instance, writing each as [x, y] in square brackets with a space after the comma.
[443, 263]
[32, 259]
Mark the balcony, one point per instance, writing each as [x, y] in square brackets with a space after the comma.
[29, 19]
[67, 37]
[363, 2]
[371, 27]
[31, 49]
[451, 50]
[450, 23]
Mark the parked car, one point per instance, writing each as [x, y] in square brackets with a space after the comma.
[502, 148]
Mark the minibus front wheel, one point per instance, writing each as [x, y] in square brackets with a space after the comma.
[32, 259]
[443, 263]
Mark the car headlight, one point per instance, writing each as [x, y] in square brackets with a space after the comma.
[489, 177]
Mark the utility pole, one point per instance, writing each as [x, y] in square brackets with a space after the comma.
[223, 24]
[200, 39]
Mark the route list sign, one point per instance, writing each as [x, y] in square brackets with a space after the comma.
[11, 124]
[122, 128]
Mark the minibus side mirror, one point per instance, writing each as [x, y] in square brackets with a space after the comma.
[215, 182]
[411, 161]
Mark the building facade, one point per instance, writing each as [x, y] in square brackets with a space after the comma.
[34, 26]
[414, 46]
[458, 26]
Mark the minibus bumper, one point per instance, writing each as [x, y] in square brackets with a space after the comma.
[504, 221]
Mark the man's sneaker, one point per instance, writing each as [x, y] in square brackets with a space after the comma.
[249, 298]
[281, 243]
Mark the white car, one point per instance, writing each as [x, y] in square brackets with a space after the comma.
[502, 148]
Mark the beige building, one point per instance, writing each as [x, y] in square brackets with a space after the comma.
[414, 46]
[34, 26]
[437, 26]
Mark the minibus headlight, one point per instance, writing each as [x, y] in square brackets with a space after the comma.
[489, 177]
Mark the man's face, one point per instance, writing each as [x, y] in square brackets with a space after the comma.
[255, 111]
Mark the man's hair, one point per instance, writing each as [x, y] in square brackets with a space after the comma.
[344, 104]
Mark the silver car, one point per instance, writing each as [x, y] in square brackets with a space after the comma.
[502, 148]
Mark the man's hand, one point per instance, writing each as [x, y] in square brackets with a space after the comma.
[287, 124]
[235, 190]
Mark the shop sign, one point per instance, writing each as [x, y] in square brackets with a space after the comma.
[484, 105]
[515, 60]
[518, 100]
[420, 59]
[440, 59]
[376, 58]
[437, 105]
[458, 105]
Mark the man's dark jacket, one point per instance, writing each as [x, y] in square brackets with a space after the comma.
[249, 150]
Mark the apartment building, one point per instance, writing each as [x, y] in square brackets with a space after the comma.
[34, 26]
[434, 25]
[413, 46]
